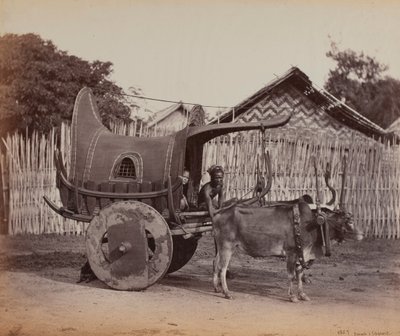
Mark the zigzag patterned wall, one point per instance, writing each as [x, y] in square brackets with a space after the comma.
[306, 114]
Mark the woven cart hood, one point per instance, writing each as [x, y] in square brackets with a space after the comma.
[96, 151]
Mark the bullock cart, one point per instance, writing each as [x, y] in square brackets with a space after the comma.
[129, 189]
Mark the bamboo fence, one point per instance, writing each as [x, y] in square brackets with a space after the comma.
[372, 184]
[371, 187]
[28, 173]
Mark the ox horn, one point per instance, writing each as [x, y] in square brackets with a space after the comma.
[258, 195]
[269, 182]
[260, 189]
[321, 219]
[327, 179]
[342, 191]
[260, 181]
[318, 199]
[267, 165]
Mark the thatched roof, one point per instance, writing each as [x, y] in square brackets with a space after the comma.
[331, 105]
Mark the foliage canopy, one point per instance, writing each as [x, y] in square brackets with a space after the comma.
[359, 80]
[39, 84]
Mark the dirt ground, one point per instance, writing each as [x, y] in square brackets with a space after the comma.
[354, 293]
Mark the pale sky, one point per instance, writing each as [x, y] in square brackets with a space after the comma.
[210, 52]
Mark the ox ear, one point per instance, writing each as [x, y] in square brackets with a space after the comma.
[318, 199]
[308, 199]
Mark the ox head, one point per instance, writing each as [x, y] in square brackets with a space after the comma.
[341, 225]
[338, 223]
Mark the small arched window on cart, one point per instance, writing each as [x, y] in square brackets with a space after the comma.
[128, 166]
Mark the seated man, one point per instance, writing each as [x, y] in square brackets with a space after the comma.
[185, 179]
[211, 189]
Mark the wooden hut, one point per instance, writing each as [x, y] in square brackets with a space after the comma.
[170, 119]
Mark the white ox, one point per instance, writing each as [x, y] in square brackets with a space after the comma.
[288, 228]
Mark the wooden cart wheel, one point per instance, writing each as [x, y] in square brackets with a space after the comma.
[129, 245]
[182, 252]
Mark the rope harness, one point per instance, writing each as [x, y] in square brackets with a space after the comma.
[322, 222]
[297, 237]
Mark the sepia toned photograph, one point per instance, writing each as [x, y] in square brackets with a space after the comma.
[199, 168]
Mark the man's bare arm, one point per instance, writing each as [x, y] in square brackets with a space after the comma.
[210, 205]
[221, 199]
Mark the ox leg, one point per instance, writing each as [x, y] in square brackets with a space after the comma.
[225, 257]
[216, 273]
[291, 270]
[229, 274]
[300, 273]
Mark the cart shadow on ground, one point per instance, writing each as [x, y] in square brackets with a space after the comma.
[261, 278]
[245, 281]
[65, 267]
[348, 273]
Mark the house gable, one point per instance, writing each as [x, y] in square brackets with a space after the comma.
[305, 113]
[312, 108]
[173, 118]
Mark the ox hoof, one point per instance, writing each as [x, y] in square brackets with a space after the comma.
[294, 299]
[304, 297]
[228, 296]
[217, 290]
